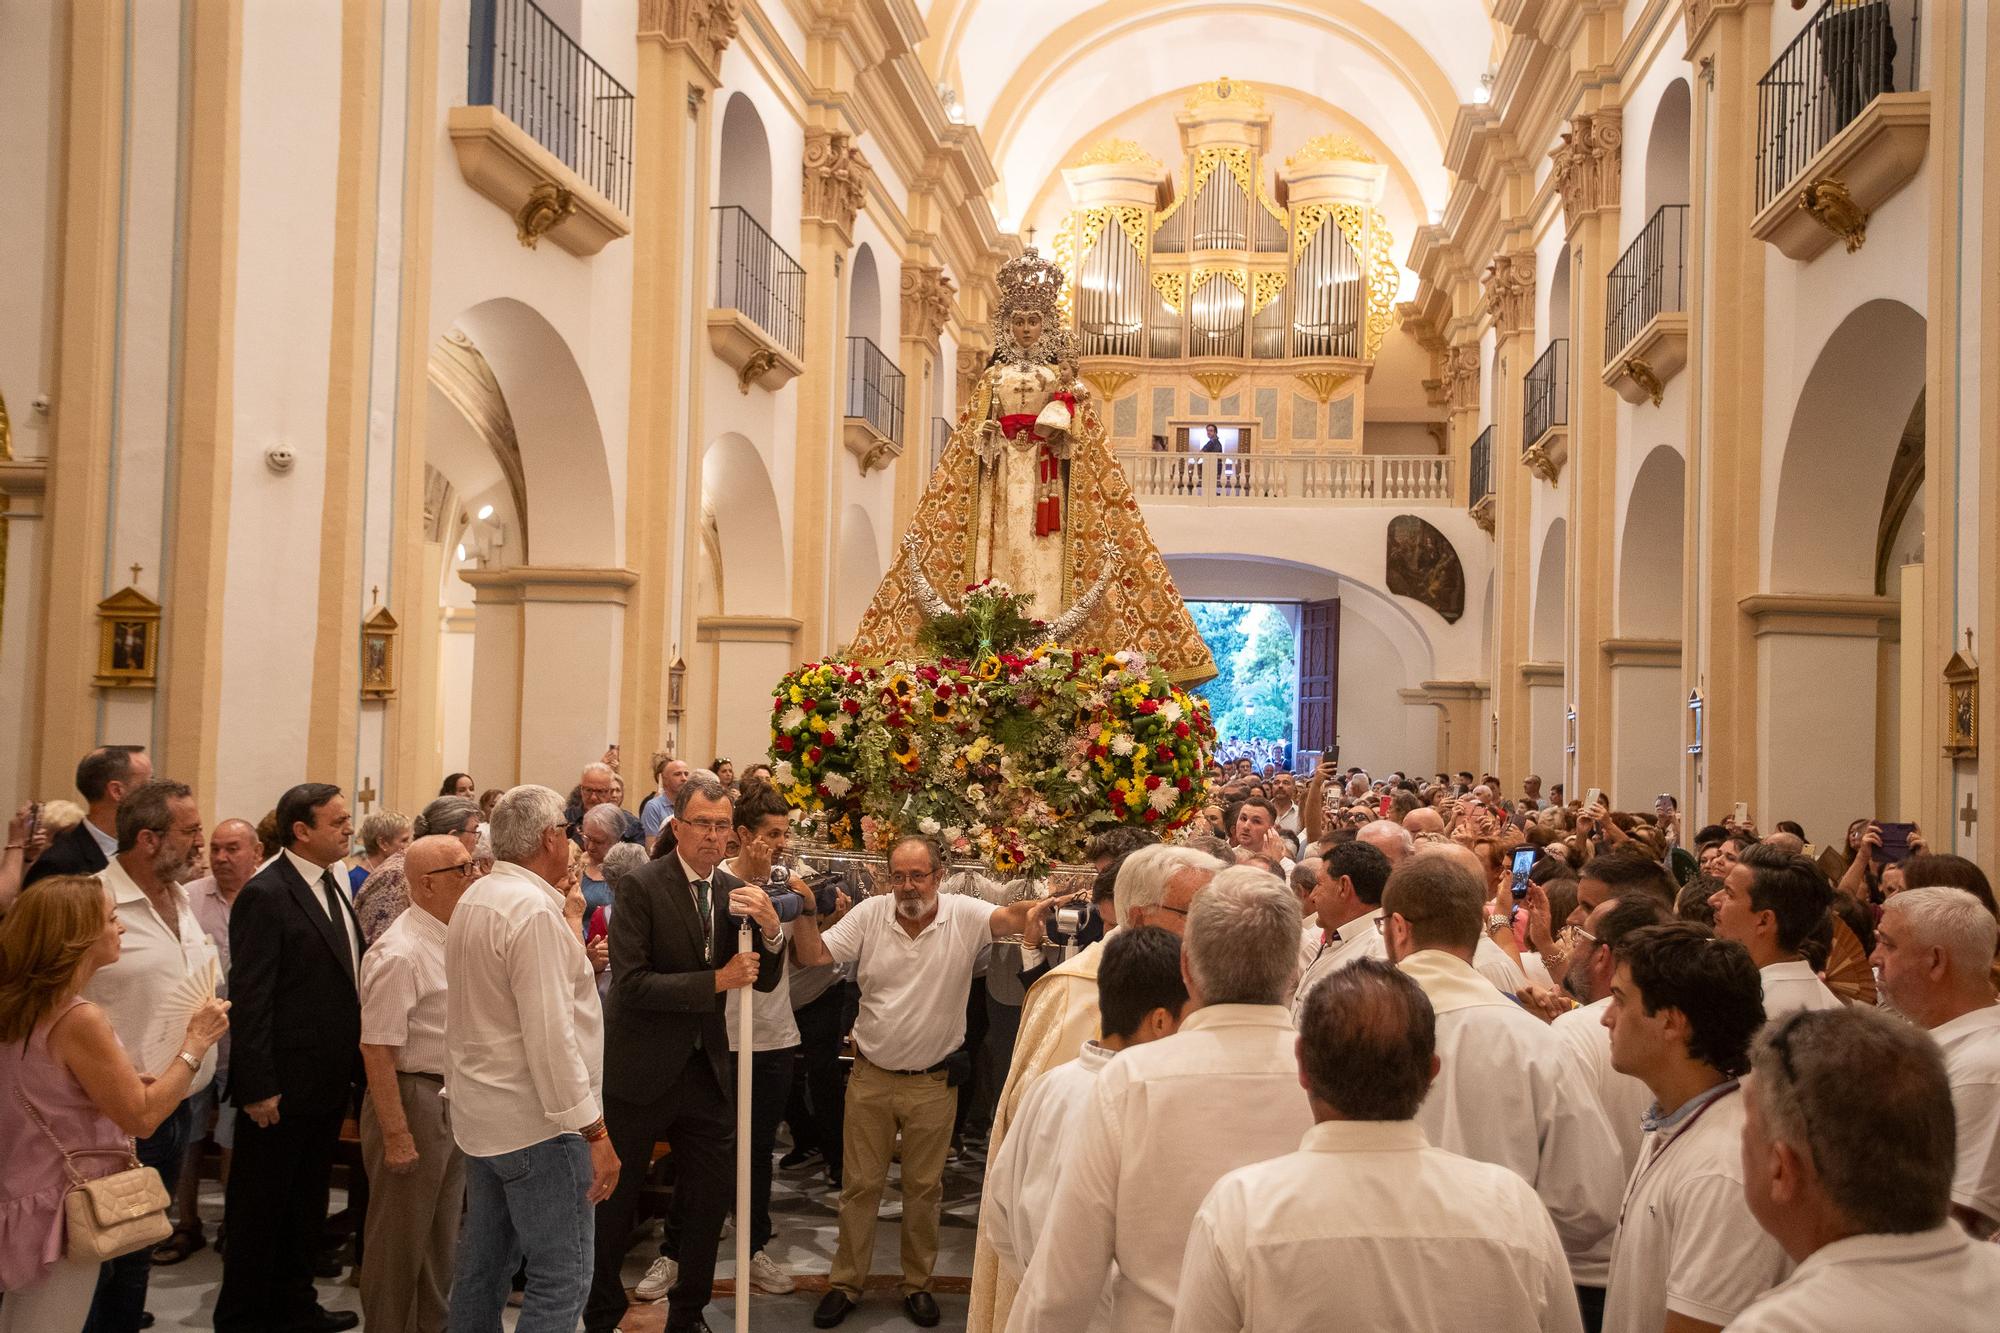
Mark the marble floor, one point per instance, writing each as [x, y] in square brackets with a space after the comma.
[803, 1211]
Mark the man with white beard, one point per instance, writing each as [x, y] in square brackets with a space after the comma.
[914, 952]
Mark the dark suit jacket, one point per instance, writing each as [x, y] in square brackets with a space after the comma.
[71, 852]
[662, 990]
[294, 1014]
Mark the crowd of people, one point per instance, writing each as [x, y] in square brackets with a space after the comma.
[1398, 1052]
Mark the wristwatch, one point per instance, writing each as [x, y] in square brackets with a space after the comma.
[1498, 921]
[192, 1061]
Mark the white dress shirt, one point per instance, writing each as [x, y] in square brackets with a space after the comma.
[1686, 1239]
[1367, 1226]
[524, 1032]
[1498, 966]
[153, 962]
[106, 842]
[403, 992]
[1504, 1094]
[1586, 1046]
[343, 921]
[1165, 1122]
[1021, 1181]
[1345, 944]
[912, 990]
[1789, 987]
[1971, 1046]
[1939, 1281]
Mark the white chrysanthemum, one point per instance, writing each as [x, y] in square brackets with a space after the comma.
[837, 724]
[781, 774]
[792, 719]
[1121, 745]
[1163, 797]
[1171, 711]
[836, 785]
[928, 826]
[954, 833]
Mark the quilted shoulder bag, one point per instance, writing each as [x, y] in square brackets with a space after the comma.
[108, 1215]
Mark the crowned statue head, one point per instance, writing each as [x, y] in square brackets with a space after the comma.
[1028, 327]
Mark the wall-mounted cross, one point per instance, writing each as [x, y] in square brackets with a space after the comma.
[365, 794]
[137, 568]
[1969, 816]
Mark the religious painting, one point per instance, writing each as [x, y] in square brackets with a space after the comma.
[1423, 564]
[128, 628]
[1961, 707]
[378, 655]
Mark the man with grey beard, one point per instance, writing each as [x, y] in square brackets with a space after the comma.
[914, 953]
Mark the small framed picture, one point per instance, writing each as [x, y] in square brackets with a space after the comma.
[128, 647]
[378, 655]
[1961, 708]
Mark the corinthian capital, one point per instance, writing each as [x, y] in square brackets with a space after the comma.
[1510, 292]
[1588, 163]
[1462, 377]
[704, 27]
[836, 179]
[927, 301]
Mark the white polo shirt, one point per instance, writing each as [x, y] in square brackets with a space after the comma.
[912, 990]
[1971, 1046]
[1586, 1049]
[1940, 1281]
[153, 962]
[772, 1027]
[1687, 1241]
[1790, 987]
[403, 992]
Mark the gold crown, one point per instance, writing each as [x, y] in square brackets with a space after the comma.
[1031, 283]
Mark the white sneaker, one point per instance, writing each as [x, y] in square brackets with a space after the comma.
[659, 1280]
[766, 1276]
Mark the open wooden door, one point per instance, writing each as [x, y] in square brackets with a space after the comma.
[1319, 677]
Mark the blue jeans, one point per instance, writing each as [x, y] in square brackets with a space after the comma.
[532, 1203]
[121, 1283]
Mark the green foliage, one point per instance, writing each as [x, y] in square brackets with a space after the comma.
[992, 619]
[1253, 695]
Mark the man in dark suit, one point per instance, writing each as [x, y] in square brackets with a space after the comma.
[103, 776]
[295, 1059]
[667, 1067]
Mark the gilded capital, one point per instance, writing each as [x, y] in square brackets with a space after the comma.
[973, 355]
[1588, 167]
[704, 27]
[1461, 377]
[927, 302]
[836, 179]
[1510, 292]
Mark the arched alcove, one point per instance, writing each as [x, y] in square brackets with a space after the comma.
[1559, 297]
[857, 569]
[1667, 150]
[745, 161]
[748, 533]
[1649, 549]
[864, 295]
[1545, 636]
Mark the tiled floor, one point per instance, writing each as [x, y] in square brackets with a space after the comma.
[803, 1209]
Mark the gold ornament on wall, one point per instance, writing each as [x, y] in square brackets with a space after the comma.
[1641, 373]
[549, 206]
[378, 654]
[1109, 382]
[1224, 90]
[1323, 383]
[1108, 152]
[1828, 203]
[1961, 704]
[1329, 148]
[1213, 382]
[128, 639]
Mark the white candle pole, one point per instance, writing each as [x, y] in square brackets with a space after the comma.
[741, 999]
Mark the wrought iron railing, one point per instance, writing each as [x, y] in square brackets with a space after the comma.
[1479, 472]
[525, 66]
[1843, 59]
[1648, 279]
[940, 437]
[1545, 393]
[874, 388]
[755, 276]
[1420, 479]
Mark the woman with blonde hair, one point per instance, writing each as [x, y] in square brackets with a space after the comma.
[73, 1091]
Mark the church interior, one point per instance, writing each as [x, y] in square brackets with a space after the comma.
[1596, 389]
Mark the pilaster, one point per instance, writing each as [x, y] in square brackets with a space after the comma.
[1510, 304]
[927, 307]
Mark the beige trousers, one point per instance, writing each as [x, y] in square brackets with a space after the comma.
[881, 1105]
[412, 1217]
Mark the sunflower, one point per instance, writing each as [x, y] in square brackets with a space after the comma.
[904, 752]
[941, 709]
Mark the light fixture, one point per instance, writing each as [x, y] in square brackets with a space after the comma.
[1437, 216]
[1484, 92]
[485, 512]
[1010, 225]
[461, 553]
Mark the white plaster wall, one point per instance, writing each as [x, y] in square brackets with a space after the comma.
[744, 677]
[455, 695]
[1547, 733]
[1818, 760]
[1645, 734]
[289, 148]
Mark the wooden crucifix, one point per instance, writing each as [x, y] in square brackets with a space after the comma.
[366, 794]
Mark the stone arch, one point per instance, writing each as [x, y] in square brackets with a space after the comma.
[745, 159]
[1646, 698]
[1839, 451]
[864, 296]
[1667, 147]
[1649, 548]
[1547, 726]
[1559, 316]
[857, 568]
[1545, 630]
[736, 488]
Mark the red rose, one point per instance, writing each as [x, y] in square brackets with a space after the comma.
[1151, 814]
[1166, 753]
[852, 707]
[1181, 730]
[814, 755]
[1149, 706]
[785, 744]
[1152, 782]
[809, 705]
[777, 705]
[1183, 784]
[826, 738]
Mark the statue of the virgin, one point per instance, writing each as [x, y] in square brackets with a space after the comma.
[1027, 495]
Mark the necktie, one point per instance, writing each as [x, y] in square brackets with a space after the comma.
[333, 913]
[705, 904]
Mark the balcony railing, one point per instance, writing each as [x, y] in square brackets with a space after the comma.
[940, 437]
[1479, 473]
[1353, 479]
[1648, 279]
[528, 68]
[756, 277]
[874, 389]
[1545, 393]
[1841, 61]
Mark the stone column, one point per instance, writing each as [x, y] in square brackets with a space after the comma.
[836, 186]
[1729, 45]
[1510, 304]
[1588, 173]
[927, 303]
[22, 483]
[681, 43]
[1645, 722]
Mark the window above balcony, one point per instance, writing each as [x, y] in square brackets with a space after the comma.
[1842, 125]
[547, 132]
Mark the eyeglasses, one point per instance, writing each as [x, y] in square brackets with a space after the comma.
[463, 870]
[706, 825]
[1579, 933]
[905, 879]
[1177, 911]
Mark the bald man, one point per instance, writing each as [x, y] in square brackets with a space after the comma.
[233, 853]
[416, 1173]
[1423, 819]
[1497, 964]
[1387, 837]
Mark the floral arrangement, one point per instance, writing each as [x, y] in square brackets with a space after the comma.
[1015, 759]
[991, 618]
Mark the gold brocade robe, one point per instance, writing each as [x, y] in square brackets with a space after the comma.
[1139, 609]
